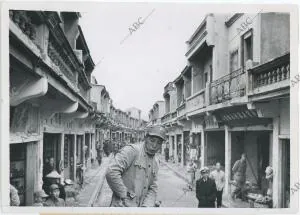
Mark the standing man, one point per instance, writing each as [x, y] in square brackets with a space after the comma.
[205, 190]
[219, 176]
[166, 151]
[132, 174]
[239, 175]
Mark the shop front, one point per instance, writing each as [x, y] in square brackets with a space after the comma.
[23, 170]
[69, 165]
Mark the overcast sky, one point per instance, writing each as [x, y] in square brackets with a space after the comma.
[136, 71]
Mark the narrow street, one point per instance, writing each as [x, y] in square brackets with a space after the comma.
[167, 181]
[171, 190]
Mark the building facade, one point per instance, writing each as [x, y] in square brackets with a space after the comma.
[233, 98]
[57, 110]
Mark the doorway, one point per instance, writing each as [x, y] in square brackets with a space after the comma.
[51, 148]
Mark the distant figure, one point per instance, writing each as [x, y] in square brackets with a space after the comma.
[166, 151]
[191, 169]
[239, 175]
[219, 176]
[48, 166]
[39, 198]
[99, 153]
[206, 190]
[14, 197]
[54, 200]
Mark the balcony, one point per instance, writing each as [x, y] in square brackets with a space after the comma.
[181, 110]
[166, 118]
[197, 38]
[196, 101]
[270, 76]
[174, 115]
[228, 87]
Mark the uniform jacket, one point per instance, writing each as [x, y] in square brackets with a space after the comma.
[54, 203]
[206, 192]
[133, 175]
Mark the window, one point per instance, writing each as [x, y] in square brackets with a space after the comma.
[234, 60]
[247, 47]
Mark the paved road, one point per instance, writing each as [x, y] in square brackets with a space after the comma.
[171, 190]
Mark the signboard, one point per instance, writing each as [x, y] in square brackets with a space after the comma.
[211, 122]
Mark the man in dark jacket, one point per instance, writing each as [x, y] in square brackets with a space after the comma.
[205, 190]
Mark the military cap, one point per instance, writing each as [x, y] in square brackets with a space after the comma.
[157, 131]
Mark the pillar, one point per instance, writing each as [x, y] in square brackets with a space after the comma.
[74, 157]
[227, 159]
[62, 145]
[170, 146]
[182, 151]
[41, 163]
[276, 157]
[203, 153]
[175, 151]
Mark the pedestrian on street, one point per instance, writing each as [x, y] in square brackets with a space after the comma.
[99, 154]
[14, 196]
[55, 178]
[239, 175]
[205, 190]
[54, 200]
[39, 198]
[219, 177]
[132, 174]
[166, 151]
[191, 169]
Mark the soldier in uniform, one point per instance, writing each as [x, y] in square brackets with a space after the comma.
[132, 175]
[54, 200]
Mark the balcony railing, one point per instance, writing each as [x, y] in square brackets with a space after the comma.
[272, 72]
[60, 59]
[166, 118]
[181, 110]
[228, 87]
[174, 115]
[196, 101]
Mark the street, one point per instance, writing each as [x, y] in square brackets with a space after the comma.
[171, 191]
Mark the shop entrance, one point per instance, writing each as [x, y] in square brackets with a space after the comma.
[196, 148]
[256, 146]
[178, 145]
[215, 148]
[186, 145]
[69, 156]
[51, 149]
[79, 149]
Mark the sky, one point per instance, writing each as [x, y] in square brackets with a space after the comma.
[136, 61]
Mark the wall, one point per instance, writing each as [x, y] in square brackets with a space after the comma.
[275, 34]
[236, 30]
[173, 100]
[220, 49]
[284, 105]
